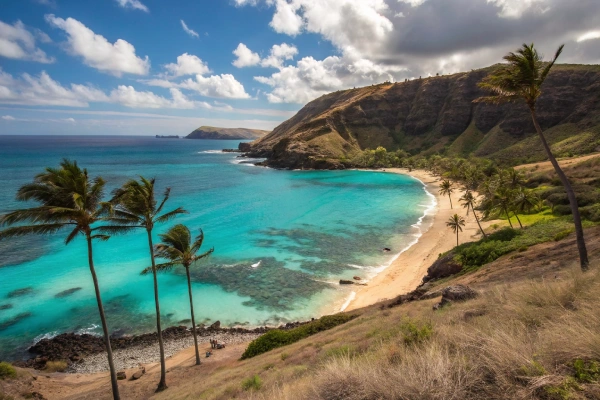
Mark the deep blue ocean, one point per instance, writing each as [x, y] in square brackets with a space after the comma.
[282, 239]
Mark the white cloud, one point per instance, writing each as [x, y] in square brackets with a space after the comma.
[99, 53]
[245, 57]
[414, 3]
[516, 8]
[219, 86]
[134, 4]
[129, 97]
[187, 64]
[187, 30]
[278, 54]
[18, 43]
[591, 35]
[8, 118]
[286, 19]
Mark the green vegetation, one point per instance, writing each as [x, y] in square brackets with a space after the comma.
[276, 338]
[7, 370]
[254, 383]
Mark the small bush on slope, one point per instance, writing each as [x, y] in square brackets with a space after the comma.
[7, 370]
[277, 338]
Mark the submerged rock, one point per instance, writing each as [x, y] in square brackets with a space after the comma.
[346, 282]
[6, 306]
[14, 320]
[67, 292]
[20, 292]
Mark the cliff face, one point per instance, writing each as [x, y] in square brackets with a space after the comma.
[437, 114]
[211, 132]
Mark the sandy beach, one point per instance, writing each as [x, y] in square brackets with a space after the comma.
[406, 272]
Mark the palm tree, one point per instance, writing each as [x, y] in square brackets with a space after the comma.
[176, 247]
[502, 201]
[446, 189]
[522, 79]
[468, 200]
[525, 200]
[456, 223]
[136, 207]
[68, 198]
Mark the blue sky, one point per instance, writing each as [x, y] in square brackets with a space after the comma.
[166, 67]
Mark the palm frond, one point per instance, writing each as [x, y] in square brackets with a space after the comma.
[72, 235]
[115, 229]
[164, 267]
[170, 215]
[40, 229]
[103, 238]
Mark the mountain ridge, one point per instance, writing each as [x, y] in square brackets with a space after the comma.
[437, 115]
[211, 132]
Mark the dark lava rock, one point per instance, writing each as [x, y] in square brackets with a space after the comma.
[20, 292]
[216, 325]
[67, 292]
[6, 306]
[357, 278]
[244, 147]
[121, 375]
[137, 375]
[346, 282]
[442, 267]
[455, 293]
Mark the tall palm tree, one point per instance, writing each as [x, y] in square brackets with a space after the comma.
[456, 222]
[468, 201]
[522, 79]
[502, 201]
[525, 200]
[177, 247]
[446, 189]
[135, 206]
[68, 198]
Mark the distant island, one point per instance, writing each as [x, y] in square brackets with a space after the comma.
[211, 132]
[167, 136]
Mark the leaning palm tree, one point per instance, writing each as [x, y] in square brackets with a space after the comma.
[68, 198]
[503, 202]
[446, 189]
[456, 222]
[522, 79]
[524, 201]
[468, 201]
[136, 207]
[178, 249]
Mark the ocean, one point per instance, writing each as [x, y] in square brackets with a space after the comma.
[282, 239]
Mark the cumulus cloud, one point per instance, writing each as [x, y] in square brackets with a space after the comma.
[219, 86]
[245, 56]
[97, 52]
[278, 54]
[133, 4]
[43, 90]
[187, 64]
[187, 30]
[18, 43]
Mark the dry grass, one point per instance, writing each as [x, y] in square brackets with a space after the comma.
[516, 342]
[56, 366]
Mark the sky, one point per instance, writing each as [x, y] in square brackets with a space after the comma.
[146, 67]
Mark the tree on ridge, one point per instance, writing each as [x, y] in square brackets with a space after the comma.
[178, 249]
[135, 206]
[522, 79]
[69, 199]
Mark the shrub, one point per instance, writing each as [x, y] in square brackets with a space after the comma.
[7, 370]
[56, 366]
[284, 356]
[586, 371]
[276, 338]
[254, 383]
[415, 332]
[562, 234]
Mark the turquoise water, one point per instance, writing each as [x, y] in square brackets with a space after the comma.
[304, 229]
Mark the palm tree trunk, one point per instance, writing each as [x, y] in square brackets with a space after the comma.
[583, 256]
[187, 271]
[449, 197]
[111, 365]
[479, 224]
[456, 237]
[162, 385]
[508, 217]
[517, 216]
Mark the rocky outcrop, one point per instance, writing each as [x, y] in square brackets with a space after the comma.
[424, 116]
[442, 267]
[455, 293]
[211, 132]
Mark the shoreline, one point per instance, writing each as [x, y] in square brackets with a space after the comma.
[407, 269]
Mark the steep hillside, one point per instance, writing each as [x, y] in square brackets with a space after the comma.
[437, 114]
[211, 132]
